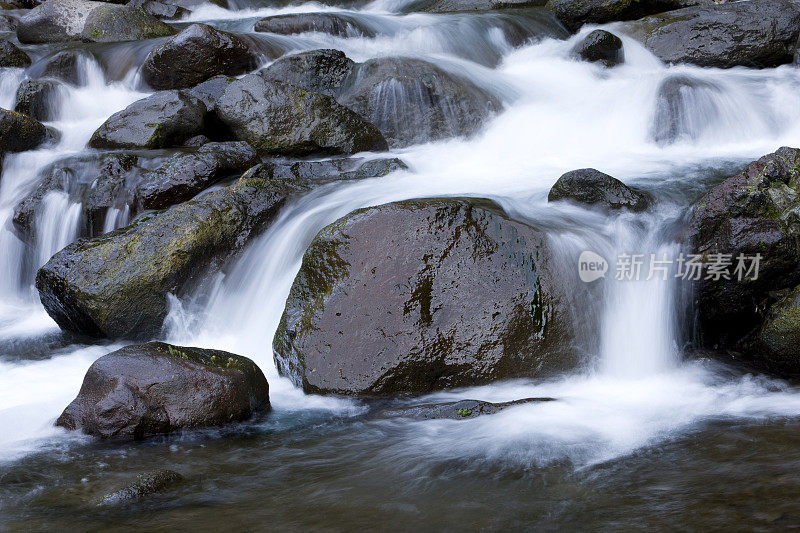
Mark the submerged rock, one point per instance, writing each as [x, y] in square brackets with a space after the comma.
[166, 118]
[755, 212]
[116, 285]
[757, 33]
[601, 47]
[185, 175]
[460, 410]
[144, 486]
[164, 10]
[455, 6]
[575, 13]
[12, 57]
[685, 108]
[352, 168]
[35, 98]
[412, 101]
[322, 71]
[19, 133]
[65, 66]
[592, 187]
[281, 119]
[338, 24]
[88, 21]
[196, 54]
[422, 295]
[157, 388]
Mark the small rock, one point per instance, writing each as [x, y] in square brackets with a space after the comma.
[460, 410]
[601, 47]
[65, 66]
[155, 388]
[592, 187]
[144, 486]
[19, 132]
[13, 57]
[35, 98]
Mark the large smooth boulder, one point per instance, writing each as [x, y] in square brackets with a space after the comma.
[19, 132]
[756, 33]
[575, 13]
[196, 54]
[277, 118]
[338, 24]
[185, 175]
[116, 285]
[166, 118]
[601, 47]
[322, 71]
[754, 212]
[351, 168]
[592, 187]
[157, 388]
[12, 57]
[36, 98]
[412, 101]
[88, 21]
[422, 295]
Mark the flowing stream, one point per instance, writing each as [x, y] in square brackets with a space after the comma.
[643, 434]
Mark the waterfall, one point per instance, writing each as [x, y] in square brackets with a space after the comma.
[559, 114]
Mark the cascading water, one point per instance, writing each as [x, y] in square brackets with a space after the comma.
[634, 389]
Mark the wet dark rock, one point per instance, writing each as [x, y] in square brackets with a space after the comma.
[321, 71]
[121, 286]
[281, 119]
[65, 66]
[88, 21]
[422, 295]
[757, 33]
[19, 132]
[575, 13]
[12, 57]
[196, 54]
[211, 90]
[685, 108]
[601, 47]
[36, 98]
[455, 6]
[161, 10]
[145, 485]
[337, 24]
[352, 168]
[777, 343]
[460, 410]
[98, 180]
[8, 23]
[197, 141]
[754, 212]
[592, 187]
[166, 118]
[184, 176]
[157, 388]
[412, 101]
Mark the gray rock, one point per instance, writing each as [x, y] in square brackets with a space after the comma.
[422, 295]
[86, 20]
[575, 13]
[592, 187]
[19, 132]
[196, 54]
[320, 71]
[685, 108]
[65, 66]
[756, 33]
[777, 344]
[456, 6]
[8, 23]
[164, 119]
[145, 485]
[351, 168]
[184, 176]
[281, 119]
[36, 99]
[460, 410]
[156, 388]
[338, 24]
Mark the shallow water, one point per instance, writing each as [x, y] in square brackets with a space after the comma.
[642, 435]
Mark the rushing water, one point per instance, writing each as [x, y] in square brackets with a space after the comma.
[640, 435]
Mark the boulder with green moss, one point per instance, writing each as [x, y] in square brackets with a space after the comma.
[754, 212]
[281, 119]
[116, 285]
[12, 57]
[776, 346]
[157, 388]
[421, 295]
[19, 132]
[88, 21]
[575, 13]
[163, 119]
